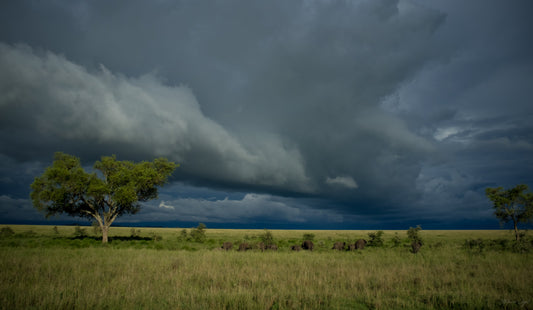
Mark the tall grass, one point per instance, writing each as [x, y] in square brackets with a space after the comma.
[121, 277]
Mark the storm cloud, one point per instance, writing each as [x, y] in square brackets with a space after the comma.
[386, 112]
[70, 106]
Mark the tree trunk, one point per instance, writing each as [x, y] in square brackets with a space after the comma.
[105, 230]
[517, 236]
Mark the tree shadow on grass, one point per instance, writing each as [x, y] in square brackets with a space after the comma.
[113, 238]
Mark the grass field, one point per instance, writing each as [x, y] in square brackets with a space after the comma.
[46, 268]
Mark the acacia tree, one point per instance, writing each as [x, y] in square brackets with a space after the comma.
[115, 188]
[513, 205]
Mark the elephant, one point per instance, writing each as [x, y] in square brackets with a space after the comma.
[351, 247]
[339, 246]
[244, 246]
[360, 244]
[416, 246]
[308, 245]
[227, 246]
[261, 246]
[272, 247]
[296, 248]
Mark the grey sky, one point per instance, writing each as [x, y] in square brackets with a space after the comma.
[349, 113]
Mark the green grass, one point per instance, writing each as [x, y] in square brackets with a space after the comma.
[46, 270]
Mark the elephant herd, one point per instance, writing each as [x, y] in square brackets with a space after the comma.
[246, 246]
[306, 245]
[358, 245]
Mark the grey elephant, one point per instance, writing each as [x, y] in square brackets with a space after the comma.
[296, 248]
[227, 246]
[244, 246]
[360, 244]
[272, 247]
[261, 246]
[308, 245]
[339, 246]
[415, 246]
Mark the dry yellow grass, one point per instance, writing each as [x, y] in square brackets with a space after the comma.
[439, 277]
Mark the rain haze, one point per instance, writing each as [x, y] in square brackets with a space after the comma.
[311, 114]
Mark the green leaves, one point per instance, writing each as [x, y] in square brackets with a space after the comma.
[59, 188]
[413, 234]
[65, 187]
[125, 177]
[376, 239]
[513, 204]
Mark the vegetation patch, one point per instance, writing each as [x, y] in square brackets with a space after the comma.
[51, 267]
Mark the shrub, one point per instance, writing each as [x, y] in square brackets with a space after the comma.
[521, 246]
[79, 232]
[413, 234]
[135, 233]
[309, 236]
[156, 237]
[6, 232]
[479, 245]
[183, 235]
[29, 234]
[198, 234]
[267, 238]
[475, 244]
[396, 240]
[503, 244]
[376, 239]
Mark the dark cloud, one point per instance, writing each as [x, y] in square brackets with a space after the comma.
[356, 111]
[69, 106]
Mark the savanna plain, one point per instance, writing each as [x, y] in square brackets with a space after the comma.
[66, 267]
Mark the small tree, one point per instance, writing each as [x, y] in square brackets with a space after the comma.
[198, 234]
[6, 231]
[396, 240]
[309, 236]
[416, 240]
[117, 188]
[135, 233]
[183, 235]
[375, 239]
[267, 238]
[413, 234]
[513, 205]
[80, 232]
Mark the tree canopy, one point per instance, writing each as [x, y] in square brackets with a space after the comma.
[512, 205]
[115, 188]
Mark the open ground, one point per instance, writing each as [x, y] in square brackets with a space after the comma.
[64, 267]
